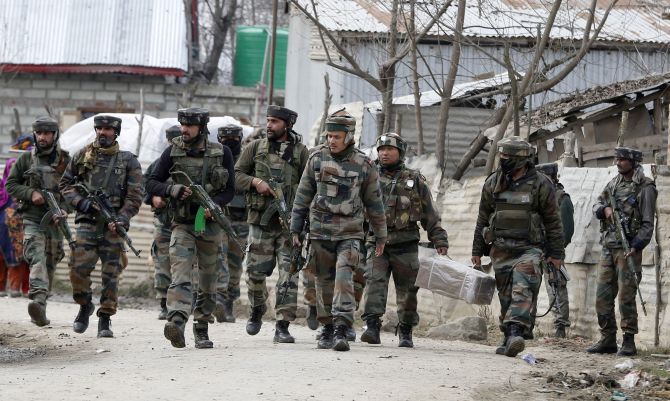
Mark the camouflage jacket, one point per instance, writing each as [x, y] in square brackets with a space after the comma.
[33, 172]
[567, 211]
[164, 215]
[286, 161]
[636, 200]
[119, 175]
[519, 215]
[407, 200]
[336, 191]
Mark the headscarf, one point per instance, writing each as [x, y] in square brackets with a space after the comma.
[4, 196]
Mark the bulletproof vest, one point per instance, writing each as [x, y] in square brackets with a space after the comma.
[47, 176]
[401, 198]
[626, 194]
[515, 216]
[108, 173]
[285, 173]
[338, 184]
[207, 170]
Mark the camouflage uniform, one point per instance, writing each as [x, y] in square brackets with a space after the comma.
[268, 243]
[40, 169]
[119, 175]
[334, 193]
[566, 209]
[636, 200]
[210, 165]
[408, 201]
[520, 219]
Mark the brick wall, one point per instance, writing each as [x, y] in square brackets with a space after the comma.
[71, 93]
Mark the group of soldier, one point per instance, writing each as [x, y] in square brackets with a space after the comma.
[351, 222]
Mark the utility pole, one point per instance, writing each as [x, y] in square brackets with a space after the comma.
[273, 46]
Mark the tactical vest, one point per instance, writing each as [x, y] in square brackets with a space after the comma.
[47, 176]
[285, 173]
[207, 171]
[516, 217]
[401, 198]
[627, 195]
[338, 185]
[108, 173]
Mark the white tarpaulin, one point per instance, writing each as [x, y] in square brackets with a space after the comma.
[153, 140]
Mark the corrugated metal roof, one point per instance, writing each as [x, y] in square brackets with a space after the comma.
[148, 33]
[632, 21]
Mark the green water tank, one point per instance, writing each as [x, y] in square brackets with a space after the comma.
[250, 52]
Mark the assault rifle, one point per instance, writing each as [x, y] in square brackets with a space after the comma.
[297, 261]
[55, 210]
[622, 233]
[203, 199]
[278, 203]
[100, 201]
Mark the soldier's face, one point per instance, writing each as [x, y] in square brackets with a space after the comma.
[276, 128]
[189, 132]
[624, 166]
[388, 155]
[106, 136]
[44, 139]
[336, 141]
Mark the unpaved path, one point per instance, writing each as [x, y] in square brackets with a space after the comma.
[54, 363]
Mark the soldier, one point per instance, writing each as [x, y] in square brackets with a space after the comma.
[635, 196]
[338, 186]
[100, 165]
[35, 172]
[567, 211]
[228, 287]
[519, 219]
[281, 158]
[160, 247]
[408, 201]
[192, 157]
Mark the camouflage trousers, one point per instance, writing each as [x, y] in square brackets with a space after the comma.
[518, 278]
[615, 280]
[309, 282]
[562, 303]
[401, 261]
[186, 248]
[228, 285]
[42, 250]
[160, 253]
[335, 262]
[267, 247]
[88, 249]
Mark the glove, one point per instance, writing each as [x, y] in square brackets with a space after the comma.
[84, 205]
[176, 190]
[123, 223]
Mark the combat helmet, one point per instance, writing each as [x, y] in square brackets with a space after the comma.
[514, 146]
[230, 130]
[46, 124]
[172, 132]
[395, 140]
[193, 116]
[289, 116]
[101, 120]
[623, 152]
[341, 120]
[548, 169]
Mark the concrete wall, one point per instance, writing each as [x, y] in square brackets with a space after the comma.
[70, 95]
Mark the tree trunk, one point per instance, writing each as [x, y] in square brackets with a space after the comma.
[221, 25]
[415, 84]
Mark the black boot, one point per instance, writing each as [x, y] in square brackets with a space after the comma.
[501, 348]
[174, 331]
[560, 331]
[38, 313]
[228, 313]
[326, 340]
[81, 321]
[281, 333]
[371, 333]
[606, 345]
[405, 338]
[201, 336]
[256, 320]
[162, 315]
[351, 334]
[105, 326]
[515, 342]
[312, 322]
[340, 339]
[628, 345]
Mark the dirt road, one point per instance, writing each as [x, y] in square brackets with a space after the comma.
[54, 363]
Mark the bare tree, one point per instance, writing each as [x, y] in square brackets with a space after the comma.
[394, 52]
